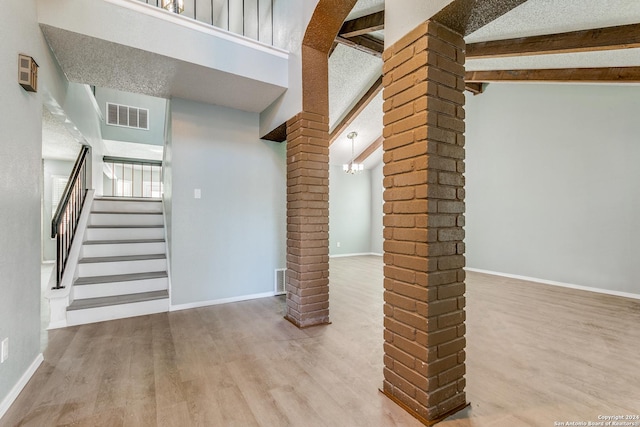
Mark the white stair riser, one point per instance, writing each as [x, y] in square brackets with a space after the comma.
[122, 249]
[126, 206]
[124, 233]
[119, 288]
[125, 219]
[121, 267]
[121, 311]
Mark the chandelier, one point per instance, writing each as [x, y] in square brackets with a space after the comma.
[175, 6]
[352, 167]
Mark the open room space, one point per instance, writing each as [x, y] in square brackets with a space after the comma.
[319, 213]
[536, 354]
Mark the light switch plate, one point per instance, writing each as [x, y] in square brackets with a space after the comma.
[197, 193]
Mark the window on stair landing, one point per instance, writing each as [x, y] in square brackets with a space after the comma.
[127, 116]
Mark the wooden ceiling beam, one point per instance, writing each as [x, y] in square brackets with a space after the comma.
[610, 38]
[369, 150]
[363, 25]
[366, 44]
[474, 88]
[356, 110]
[585, 75]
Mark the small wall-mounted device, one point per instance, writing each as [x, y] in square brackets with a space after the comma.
[27, 73]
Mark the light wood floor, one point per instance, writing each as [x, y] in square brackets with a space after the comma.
[536, 354]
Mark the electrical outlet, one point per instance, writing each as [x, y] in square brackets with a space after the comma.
[338, 244]
[197, 193]
[5, 350]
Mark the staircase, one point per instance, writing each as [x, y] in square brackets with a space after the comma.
[122, 271]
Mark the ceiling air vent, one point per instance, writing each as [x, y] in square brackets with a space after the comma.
[126, 116]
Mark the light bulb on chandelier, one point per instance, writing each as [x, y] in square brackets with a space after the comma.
[352, 167]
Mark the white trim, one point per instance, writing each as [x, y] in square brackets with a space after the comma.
[198, 304]
[24, 379]
[199, 26]
[354, 254]
[560, 284]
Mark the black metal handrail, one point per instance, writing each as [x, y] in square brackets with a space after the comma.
[65, 221]
[210, 18]
[137, 182]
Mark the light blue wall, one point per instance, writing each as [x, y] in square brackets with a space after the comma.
[20, 192]
[228, 243]
[156, 107]
[81, 110]
[377, 202]
[51, 168]
[349, 212]
[552, 183]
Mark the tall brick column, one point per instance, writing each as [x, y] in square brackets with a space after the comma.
[308, 220]
[424, 205]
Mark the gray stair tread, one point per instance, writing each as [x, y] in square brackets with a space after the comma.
[124, 213]
[121, 258]
[94, 280]
[119, 242]
[128, 199]
[126, 226]
[117, 300]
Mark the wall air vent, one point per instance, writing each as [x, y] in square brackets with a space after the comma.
[279, 286]
[126, 116]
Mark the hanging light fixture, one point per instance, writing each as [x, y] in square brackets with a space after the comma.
[352, 167]
[175, 6]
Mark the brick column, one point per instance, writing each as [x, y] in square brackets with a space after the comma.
[424, 205]
[308, 220]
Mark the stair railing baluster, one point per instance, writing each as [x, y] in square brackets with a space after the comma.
[65, 220]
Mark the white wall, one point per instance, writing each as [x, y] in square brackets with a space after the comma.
[228, 243]
[552, 183]
[20, 171]
[290, 20]
[349, 212]
[402, 16]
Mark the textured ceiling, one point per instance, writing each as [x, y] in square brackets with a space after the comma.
[101, 63]
[57, 141]
[351, 73]
[534, 17]
[369, 127]
[539, 17]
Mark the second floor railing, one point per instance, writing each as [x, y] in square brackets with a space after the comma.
[125, 177]
[65, 220]
[249, 18]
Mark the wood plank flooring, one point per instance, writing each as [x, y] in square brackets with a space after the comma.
[536, 354]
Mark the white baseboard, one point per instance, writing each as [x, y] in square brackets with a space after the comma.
[560, 284]
[24, 379]
[199, 304]
[356, 254]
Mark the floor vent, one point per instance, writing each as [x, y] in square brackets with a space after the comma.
[126, 116]
[279, 286]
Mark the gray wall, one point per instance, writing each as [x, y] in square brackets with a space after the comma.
[349, 212]
[377, 201]
[228, 243]
[20, 192]
[156, 107]
[50, 168]
[552, 183]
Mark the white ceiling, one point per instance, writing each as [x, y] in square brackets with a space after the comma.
[534, 17]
